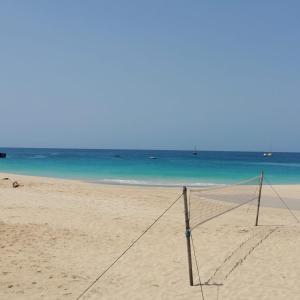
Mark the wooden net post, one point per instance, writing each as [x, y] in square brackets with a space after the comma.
[259, 196]
[188, 235]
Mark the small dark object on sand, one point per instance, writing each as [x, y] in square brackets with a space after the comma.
[5, 178]
[16, 184]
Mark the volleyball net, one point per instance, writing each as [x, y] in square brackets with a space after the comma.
[208, 203]
[205, 204]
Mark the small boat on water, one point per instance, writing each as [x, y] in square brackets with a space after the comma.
[152, 157]
[2, 155]
[268, 154]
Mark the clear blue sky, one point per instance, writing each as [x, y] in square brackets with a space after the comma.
[222, 75]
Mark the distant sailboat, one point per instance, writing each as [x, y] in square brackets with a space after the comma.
[195, 151]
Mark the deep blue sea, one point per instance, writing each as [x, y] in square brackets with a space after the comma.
[136, 166]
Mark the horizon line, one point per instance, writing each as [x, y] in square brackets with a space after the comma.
[144, 149]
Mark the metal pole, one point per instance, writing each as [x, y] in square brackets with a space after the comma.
[259, 196]
[188, 235]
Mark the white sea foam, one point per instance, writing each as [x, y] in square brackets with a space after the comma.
[39, 156]
[297, 165]
[54, 153]
[156, 183]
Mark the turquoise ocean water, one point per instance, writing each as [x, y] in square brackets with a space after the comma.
[136, 166]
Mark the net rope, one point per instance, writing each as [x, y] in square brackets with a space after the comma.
[128, 248]
[209, 203]
[282, 200]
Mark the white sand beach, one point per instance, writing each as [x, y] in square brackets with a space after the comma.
[57, 236]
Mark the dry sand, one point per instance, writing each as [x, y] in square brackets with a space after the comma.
[57, 236]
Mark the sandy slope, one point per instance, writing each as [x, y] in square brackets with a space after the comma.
[56, 236]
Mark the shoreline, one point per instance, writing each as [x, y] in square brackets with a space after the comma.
[289, 192]
[134, 182]
[124, 182]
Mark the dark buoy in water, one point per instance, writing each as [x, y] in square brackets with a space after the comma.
[2, 155]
